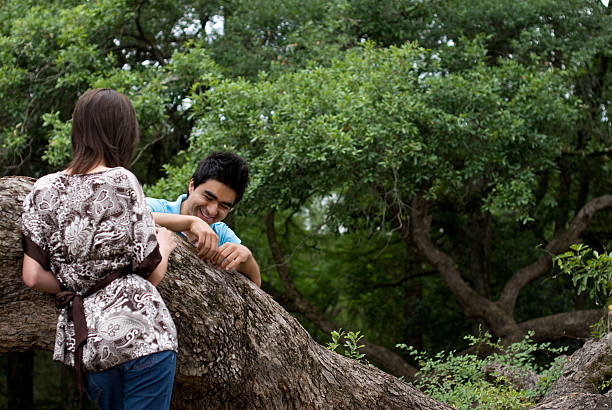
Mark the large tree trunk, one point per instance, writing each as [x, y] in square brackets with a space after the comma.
[238, 347]
[584, 379]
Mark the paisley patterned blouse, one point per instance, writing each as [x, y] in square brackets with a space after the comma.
[83, 227]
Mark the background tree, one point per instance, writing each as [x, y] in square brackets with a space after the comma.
[473, 143]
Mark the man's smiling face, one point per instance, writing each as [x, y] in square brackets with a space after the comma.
[211, 201]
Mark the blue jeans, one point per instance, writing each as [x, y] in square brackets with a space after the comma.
[143, 383]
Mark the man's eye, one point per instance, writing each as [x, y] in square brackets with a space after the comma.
[210, 198]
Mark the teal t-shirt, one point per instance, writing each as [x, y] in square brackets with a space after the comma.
[223, 231]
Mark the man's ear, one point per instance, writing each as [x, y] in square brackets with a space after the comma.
[191, 186]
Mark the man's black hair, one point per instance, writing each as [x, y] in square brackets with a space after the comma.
[225, 167]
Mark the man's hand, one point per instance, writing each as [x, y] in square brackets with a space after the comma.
[201, 235]
[231, 255]
[235, 256]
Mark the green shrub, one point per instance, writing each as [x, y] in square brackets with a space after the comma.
[351, 344]
[460, 382]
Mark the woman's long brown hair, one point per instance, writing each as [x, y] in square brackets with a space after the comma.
[104, 129]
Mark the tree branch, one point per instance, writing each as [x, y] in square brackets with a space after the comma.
[443, 263]
[396, 209]
[156, 53]
[574, 325]
[473, 304]
[559, 244]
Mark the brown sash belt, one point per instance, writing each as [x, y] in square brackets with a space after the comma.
[76, 313]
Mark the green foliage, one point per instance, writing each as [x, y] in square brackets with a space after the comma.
[51, 52]
[313, 126]
[605, 385]
[58, 151]
[46, 54]
[351, 344]
[591, 271]
[476, 132]
[459, 380]
[281, 36]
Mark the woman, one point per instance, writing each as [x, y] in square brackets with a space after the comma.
[89, 238]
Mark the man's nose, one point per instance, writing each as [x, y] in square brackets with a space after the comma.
[212, 208]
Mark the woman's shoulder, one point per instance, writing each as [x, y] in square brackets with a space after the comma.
[48, 181]
[120, 174]
[122, 179]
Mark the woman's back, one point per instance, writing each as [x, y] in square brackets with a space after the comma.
[85, 227]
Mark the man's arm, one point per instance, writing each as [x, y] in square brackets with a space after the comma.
[237, 256]
[196, 230]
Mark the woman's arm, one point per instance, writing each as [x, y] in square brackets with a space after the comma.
[166, 241]
[35, 276]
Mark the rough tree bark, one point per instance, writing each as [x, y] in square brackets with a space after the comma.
[582, 379]
[238, 347]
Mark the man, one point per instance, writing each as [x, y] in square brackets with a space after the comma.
[215, 188]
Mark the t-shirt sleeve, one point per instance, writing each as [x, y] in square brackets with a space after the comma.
[36, 224]
[156, 205]
[145, 249]
[225, 233]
